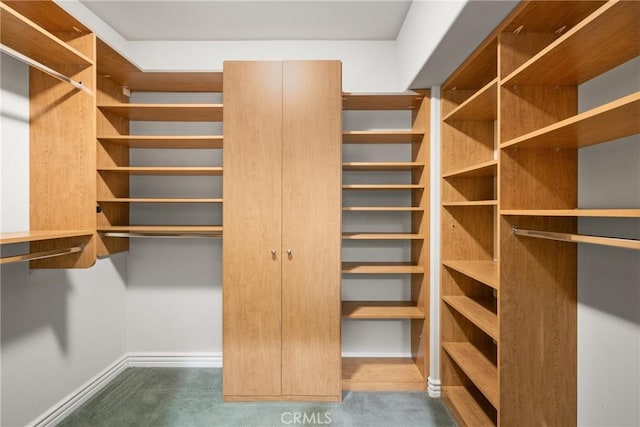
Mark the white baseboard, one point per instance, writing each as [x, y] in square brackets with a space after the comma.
[175, 360]
[58, 412]
[434, 387]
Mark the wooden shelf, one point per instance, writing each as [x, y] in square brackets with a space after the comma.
[178, 141]
[382, 209]
[489, 168]
[476, 311]
[482, 106]
[381, 310]
[381, 137]
[465, 407]
[479, 69]
[152, 170]
[480, 370]
[471, 203]
[381, 101]
[381, 236]
[381, 268]
[382, 187]
[381, 374]
[381, 166]
[163, 229]
[28, 38]
[157, 200]
[605, 39]
[486, 272]
[35, 236]
[167, 112]
[588, 128]
[595, 213]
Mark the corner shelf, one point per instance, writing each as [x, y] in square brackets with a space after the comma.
[166, 112]
[480, 370]
[381, 374]
[163, 170]
[381, 166]
[178, 141]
[580, 54]
[36, 236]
[588, 128]
[483, 169]
[381, 236]
[481, 106]
[381, 310]
[476, 311]
[381, 268]
[381, 137]
[486, 272]
[381, 101]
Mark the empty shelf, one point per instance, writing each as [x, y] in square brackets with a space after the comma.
[167, 112]
[476, 311]
[153, 170]
[466, 407]
[489, 168]
[486, 272]
[382, 209]
[164, 230]
[588, 128]
[381, 374]
[381, 166]
[471, 203]
[381, 236]
[34, 236]
[382, 187]
[480, 370]
[157, 200]
[481, 106]
[595, 213]
[381, 268]
[178, 141]
[381, 137]
[381, 101]
[381, 310]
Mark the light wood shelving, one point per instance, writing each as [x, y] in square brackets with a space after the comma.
[381, 268]
[486, 272]
[382, 209]
[163, 229]
[381, 374]
[381, 236]
[480, 106]
[465, 407]
[381, 310]
[477, 367]
[483, 169]
[382, 186]
[381, 166]
[166, 112]
[163, 170]
[169, 142]
[477, 312]
[471, 203]
[35, 236]
[594, 213]
[382, 101]
[157, 200]
[382, 137]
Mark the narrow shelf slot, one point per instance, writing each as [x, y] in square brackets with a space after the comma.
[476, 312]
[471, 203]
[605, 39]
[486, 272]
[381, 137]
[382, 187]
[595, 213]
[167, 112]
[381, 374]
[35, 236]
[161, 170]
[157, 200]
[489, 168]
[381, 268]
[480, 370]
[178, 141]
[381, 236]
[381, 101]
[588, 128]
[381, 166]
[466, 407]
[381, 310]
[482, 106]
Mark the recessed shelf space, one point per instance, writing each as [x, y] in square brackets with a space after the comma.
[588, 128]
[164, 170]
[478, 368]
[483, 169]
[580, 54]
[158, 200]
[381, 310]
[486, 272]
[381, 101]
[381, 166]
[35, 236]
[478, 70]
[26, 37]
[166, 112]
[481, 106]
[382, 187]
[381, 236]
[381, 374]
[381, 137]
[477, 311]
[381, 268]
[177, 141]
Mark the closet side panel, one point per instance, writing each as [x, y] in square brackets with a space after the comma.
[252, 229]
[312, 175]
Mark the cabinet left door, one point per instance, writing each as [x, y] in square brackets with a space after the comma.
[252, 192]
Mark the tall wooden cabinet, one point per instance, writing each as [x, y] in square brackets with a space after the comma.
[281, 249]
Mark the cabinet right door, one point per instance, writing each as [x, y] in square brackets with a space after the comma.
[311, 229]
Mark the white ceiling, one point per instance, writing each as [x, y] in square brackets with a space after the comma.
[252, 20]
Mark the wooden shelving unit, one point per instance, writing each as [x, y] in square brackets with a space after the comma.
[401, 373]
[509, 181]
[114, 140]
[61, 151]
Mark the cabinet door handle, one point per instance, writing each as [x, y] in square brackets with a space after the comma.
[273, 252]
[289, 252]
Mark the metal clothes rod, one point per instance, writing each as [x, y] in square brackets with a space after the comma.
[579, 238]
[41, 255]
[164, 235]
[41, 67]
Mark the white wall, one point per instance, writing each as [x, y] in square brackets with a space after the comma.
[609, 278]
[59, 327]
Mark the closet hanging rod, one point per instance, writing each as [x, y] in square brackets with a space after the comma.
[162, 235]
[41, 255]
[579, 238]
[35, 64]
